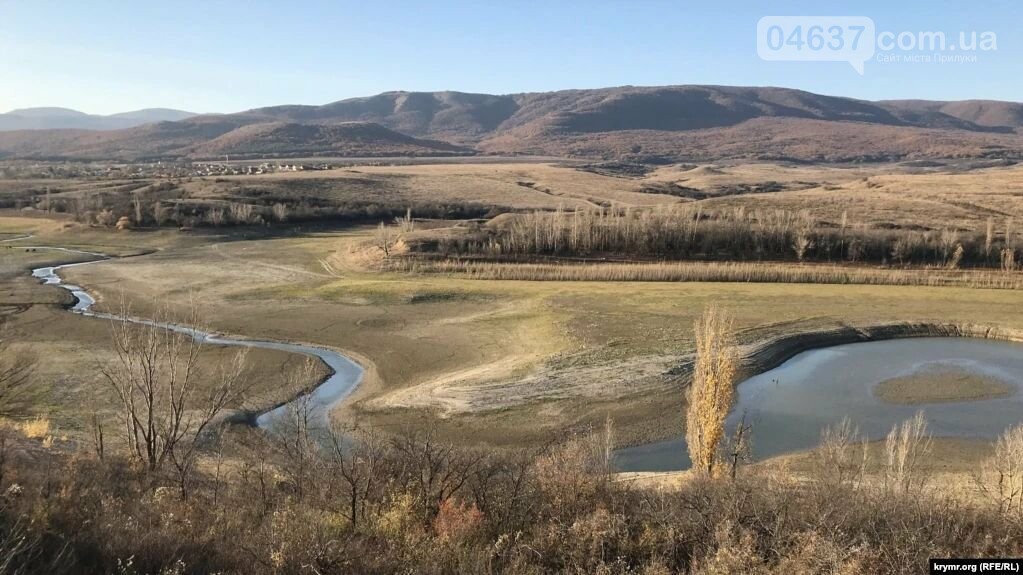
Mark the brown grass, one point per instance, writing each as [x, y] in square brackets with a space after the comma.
[746, 272]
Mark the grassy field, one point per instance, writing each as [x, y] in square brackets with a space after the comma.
[873, 195]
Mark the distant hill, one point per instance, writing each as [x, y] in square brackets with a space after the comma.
[283, 139]
[667, 123]
[985, 113]
[206, 139]
[65, 119]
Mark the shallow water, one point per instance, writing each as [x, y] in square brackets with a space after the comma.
[345, 374]
[790, 405]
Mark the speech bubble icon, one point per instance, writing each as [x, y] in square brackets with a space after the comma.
[817, 39]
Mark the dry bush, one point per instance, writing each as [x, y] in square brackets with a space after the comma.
[906, 447]
[572, 472]
[841, 458]
[216, 217]
[241, 213]
[1001, 476]
[36, 428]
[405, 223]
[280, 212]
[456, 520]
[712, 390]
[75, 514]
[384, 238]
[105, 218]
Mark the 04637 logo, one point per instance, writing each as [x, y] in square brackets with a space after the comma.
[854, 39]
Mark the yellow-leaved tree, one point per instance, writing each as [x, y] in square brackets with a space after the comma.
[712, 390]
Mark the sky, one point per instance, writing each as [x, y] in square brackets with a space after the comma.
[103, 57]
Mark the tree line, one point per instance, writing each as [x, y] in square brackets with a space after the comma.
[680, 232]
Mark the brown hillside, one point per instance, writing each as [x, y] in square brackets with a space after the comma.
[654, 123]
[767, 139]
[347, 139]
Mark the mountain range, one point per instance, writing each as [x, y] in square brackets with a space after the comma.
[65, 118]
[654, 124]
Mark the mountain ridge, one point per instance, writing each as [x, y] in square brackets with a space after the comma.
[644, 123]
[57, 118]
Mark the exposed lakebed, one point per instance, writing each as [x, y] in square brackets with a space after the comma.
[787, 406]
[790, 405]
[344, 377]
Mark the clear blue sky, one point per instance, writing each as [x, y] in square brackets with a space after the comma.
[105, 56]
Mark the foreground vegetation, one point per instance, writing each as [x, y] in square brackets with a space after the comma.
[412, 504]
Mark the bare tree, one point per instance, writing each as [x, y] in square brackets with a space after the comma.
[136, 202]
[712, 389]
[836, 459]
[948, 240]
[241, 213]
[801, 244]
[215, 216]
[355, 464]
[906, 447]
[295, 431]
[989, 239]
[78, 208]
[1001, 477]
[160, 213]
[280, 212]
[739, 447]
[406, 224]
[166, 401]
[956, 258]
[902, 248]
[384, 238]
[432, 470]
[1008, 260]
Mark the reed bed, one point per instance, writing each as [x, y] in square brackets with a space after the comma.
[750, 272]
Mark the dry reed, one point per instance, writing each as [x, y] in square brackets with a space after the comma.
[749, 272]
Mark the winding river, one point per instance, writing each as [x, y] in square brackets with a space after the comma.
[790, 405]
[345, 374]
[787, 406]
